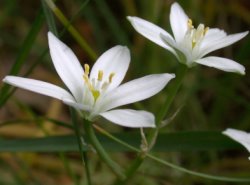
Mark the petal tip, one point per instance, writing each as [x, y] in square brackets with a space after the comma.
[129, 18]
[7, 79]
[176, 5]
[50, 34]
[123, 49]
[152, 125]
[245, 33]
[242, 73]
[169, 76]
[4, 79]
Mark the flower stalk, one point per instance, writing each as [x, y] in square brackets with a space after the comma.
[169, 100]
[153, 135]
[171, 165]
[90, 134]
[79, 141]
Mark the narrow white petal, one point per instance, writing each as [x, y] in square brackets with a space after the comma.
[178, 21]
[223, 64]
[130, 118]
[135, 90]
[216, 40]
[76, 105]
[38, 87]
[116, 60]
[213, 35]
[151, 32]
[183, 54]
[239, 136]
[66, 65]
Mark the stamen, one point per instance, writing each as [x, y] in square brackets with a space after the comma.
[205, 31]
[86, 79]
[100, 75]
[105, 85]
[111, 77]
[86, 69]
[190, 24]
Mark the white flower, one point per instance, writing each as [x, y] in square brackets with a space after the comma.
[239, 136]
[95, 93]
[190, 44]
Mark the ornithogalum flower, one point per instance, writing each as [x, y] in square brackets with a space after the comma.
[95, 93]
[239, 136]
[190, 44]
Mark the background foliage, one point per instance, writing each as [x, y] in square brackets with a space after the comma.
[210, 100]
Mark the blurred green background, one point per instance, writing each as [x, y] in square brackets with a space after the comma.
[209, 99]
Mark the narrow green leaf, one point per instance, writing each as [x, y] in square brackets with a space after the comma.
[112, 23]
[23, 53]
[180, 141]
[49, 18]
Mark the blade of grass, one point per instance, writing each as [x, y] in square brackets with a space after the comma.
[93, 20]
[113, 24]
[49, 18]
[23, 53]
[3, 97]
[76, 35]
[26, 121]
[167, 142]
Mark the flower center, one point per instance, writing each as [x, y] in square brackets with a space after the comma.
[196, 35]
[96, 86]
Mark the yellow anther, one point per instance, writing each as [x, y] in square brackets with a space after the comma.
[86, 79]
[111, 77]
[86, 68]
[205, 30]
[100, 75]
[190, 23]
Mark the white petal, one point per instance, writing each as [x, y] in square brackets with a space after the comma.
[130, 118]
[239, 136]
[38, 87]
[116, 60]
[178, 21]
[216, 40]
[151, 32]
[135, 90]
[223, 64]
[183, 54]
[66, 65]
[213, 35]
[76, 105]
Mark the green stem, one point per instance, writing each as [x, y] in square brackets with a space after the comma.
[81, 41]
[153, 135]
[79, 141]
[101, 151]
[172, 91]
[171, 165]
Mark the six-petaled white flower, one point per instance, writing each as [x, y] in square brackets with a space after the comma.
[97, 92]
[190, 44]
[239, 136]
